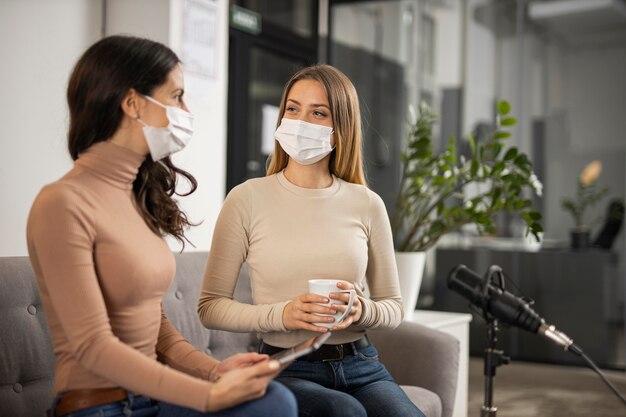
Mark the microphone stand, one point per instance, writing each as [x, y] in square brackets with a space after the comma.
[493, 357]
[512, 310]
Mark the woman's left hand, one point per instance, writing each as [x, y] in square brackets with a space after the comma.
[240, 360]
[355, 311]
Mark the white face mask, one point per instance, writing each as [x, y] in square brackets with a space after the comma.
[306, 143]
[164, 141]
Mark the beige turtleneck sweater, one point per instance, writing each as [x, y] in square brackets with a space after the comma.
[102, 274]
[288, 235]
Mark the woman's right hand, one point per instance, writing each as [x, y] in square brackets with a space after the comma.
[242, 384]
[298, 314]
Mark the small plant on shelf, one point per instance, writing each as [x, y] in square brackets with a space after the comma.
[588, 194]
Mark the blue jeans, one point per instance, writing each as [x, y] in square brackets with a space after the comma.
[277, 402]
[357, 386]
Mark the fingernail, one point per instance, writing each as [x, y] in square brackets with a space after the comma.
[326, 300]
[273, 365]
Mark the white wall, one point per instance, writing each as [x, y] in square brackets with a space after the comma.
[587, 123]
[40, 41]
[359, 24]
[480, 70]
[448, 45]
[205, 157]
[597, 98]
[580, 91]
[146, 18]
[522, 84]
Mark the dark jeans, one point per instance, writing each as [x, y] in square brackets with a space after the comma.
[357, 386]
[277, 402]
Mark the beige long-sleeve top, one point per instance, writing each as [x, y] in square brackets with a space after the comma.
[102, 274]
[288, 235]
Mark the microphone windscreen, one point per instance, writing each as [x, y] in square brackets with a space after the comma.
[464, 281]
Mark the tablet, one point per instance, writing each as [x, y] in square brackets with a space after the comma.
[304, 348]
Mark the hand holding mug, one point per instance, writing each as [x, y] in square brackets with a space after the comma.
[342, 298]
[308, 312]
[353, 309]
[317, 311]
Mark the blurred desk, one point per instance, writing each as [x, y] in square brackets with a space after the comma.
[580, 292]
[457, 325]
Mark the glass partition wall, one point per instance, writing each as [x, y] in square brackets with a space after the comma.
[564, 74]
[262, 58]
[377, 44]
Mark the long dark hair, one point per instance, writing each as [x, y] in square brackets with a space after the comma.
[101, 79]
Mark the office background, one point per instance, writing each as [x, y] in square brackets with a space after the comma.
[564, 76]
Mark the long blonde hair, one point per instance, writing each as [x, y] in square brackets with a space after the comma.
[346, 162]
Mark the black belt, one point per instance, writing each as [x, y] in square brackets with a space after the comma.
[327, 353]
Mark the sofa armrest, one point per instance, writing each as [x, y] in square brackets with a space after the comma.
[417, 355]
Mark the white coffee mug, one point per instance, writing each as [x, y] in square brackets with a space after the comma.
[324, 287]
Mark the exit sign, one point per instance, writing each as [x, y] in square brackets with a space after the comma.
[246, 20]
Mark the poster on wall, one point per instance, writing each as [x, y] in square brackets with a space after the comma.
[199, 47]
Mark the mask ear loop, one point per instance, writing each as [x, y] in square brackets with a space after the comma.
[163, 106]
[158, 103]
[137, 118]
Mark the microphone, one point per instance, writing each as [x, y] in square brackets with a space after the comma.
[501, 304]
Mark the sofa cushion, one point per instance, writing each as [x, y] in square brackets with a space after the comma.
[26, 359]
[427, 401]
[181, 301]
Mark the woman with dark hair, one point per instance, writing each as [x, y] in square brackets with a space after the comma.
[95, 239]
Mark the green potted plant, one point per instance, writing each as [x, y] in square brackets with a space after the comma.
[588, 194]
[440, 192]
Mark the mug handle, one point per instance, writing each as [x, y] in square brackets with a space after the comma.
[349, 306]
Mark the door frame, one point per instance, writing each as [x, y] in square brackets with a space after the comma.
[275, 39]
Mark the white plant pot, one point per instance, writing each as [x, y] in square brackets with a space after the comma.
[410, 273]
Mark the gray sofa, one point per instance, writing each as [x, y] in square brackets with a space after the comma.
[422, 360]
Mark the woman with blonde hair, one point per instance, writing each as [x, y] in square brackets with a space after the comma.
[312, 216]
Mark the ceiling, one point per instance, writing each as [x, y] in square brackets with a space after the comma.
[582, 22]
